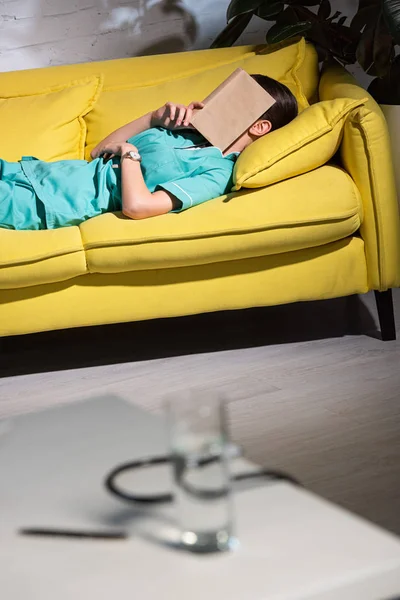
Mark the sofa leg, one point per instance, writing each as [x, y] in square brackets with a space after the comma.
[384, 303]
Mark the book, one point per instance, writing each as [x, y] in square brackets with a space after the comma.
[231, 109]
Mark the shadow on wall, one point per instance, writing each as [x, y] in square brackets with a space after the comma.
[165, 16]
[40, 33]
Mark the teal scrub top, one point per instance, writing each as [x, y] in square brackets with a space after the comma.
[69, 192]
[175, 161]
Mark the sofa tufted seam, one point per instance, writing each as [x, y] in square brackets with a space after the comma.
[301, 54]
[84, 251]
[81, 117]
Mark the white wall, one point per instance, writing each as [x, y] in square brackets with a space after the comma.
[39, 33]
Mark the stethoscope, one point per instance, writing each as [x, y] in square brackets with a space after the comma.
[180, 469]
[111, 482]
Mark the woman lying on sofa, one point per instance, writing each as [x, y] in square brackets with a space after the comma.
[165, 165]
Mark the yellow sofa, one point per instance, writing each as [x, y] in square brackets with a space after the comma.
[332, 231]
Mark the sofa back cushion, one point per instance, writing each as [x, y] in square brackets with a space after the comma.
[47, 123]
[136, 85]
[120, 104]
[151, 70]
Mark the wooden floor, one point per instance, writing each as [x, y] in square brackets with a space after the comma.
[307, 394]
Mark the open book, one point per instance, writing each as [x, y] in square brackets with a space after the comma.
[231, 109]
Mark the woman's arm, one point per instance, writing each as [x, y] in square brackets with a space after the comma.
[137, 200]
[124, 133]
[170, 116]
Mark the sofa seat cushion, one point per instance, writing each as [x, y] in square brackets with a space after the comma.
[36, 257]
[309, 210]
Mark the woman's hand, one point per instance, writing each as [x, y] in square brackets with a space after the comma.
[113, 149]
[173, 116]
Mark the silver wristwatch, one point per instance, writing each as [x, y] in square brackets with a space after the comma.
[132, 156]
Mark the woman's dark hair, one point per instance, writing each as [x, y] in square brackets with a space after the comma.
[285, 108]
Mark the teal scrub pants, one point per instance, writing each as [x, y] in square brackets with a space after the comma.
[20, 208]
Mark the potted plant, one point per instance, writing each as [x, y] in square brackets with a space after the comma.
[290, 18]
[371, 39]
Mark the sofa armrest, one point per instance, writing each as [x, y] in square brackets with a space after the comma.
[366, 156]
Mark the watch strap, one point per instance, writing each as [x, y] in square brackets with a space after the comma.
[135, 156]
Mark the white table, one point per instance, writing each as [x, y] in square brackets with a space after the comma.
[294, 545]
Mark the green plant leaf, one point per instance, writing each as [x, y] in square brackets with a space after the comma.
[287, 17]
[365, 49]
[303, 2]
[391, 12]
[324, 9]
[232, 31]
[334, 39]
[383, 48]
[366, 15]
[279, 33]
[329, 37]
[334, 16]
[242, 7]
[269, 11]
[386, 90]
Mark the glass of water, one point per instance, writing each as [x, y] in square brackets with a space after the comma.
[200, 463]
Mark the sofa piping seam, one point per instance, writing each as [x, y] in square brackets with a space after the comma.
[40, 258]
[224, 233]
[378, 219]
